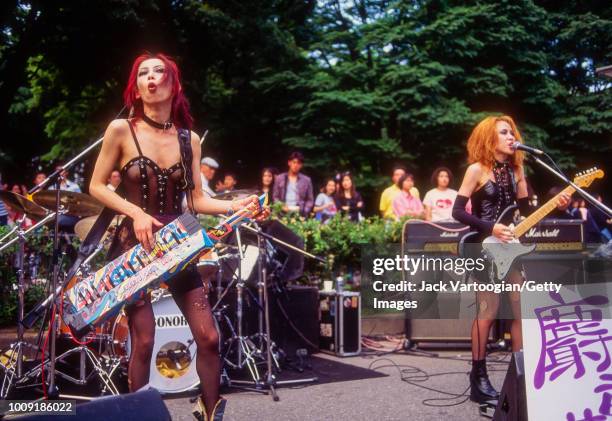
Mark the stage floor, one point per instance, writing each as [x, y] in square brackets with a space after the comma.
[363, 388]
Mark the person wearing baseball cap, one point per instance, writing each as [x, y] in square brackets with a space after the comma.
[208, 166]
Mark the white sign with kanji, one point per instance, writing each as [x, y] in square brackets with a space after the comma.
[567, 343]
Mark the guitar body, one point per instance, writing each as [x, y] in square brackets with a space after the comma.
[499, 255]
[502, 255]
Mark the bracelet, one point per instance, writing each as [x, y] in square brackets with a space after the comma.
[230, 211]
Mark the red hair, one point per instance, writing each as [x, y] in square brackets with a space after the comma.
[483, 140]
[180, 114]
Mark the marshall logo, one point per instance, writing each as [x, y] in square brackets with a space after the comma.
[547, 233]
[446, 234]
[170, 321]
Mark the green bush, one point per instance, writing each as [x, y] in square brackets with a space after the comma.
[339, 241]
[8, 275]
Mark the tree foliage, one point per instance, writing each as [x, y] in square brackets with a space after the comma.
[357, 85]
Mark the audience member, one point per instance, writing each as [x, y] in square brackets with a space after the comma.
[293, 188]
[592, 232]
[389, 194]
[325, 205]
[114, 180]
[266, 184]
[20, 189]
[3, 210]
[229, 181]
[405, 203]
[39, 178]
[438, 202]
[603, 222]
[208, 167]
[348, 200]
[67, 184]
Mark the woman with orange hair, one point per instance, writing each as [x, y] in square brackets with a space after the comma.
[493, 181]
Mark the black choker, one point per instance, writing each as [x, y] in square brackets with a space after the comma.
[153, 123]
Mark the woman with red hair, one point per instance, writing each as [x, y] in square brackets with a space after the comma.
[157, 170]
[493, 181]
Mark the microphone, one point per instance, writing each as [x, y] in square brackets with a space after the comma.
[519, 146]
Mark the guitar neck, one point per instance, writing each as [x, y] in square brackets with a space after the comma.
[539, 214]
[230, 223]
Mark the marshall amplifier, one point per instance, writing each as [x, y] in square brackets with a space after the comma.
[556, 235]
[429, 237]
[560, 252]
[340, 322]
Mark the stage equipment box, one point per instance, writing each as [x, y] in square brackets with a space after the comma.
[340, 322]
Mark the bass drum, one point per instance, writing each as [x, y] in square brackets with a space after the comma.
[173, 365]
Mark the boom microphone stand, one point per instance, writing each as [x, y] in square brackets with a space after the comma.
[270, 380]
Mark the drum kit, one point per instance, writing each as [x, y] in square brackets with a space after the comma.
[238, 271]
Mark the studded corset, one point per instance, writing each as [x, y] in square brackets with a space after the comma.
[156, 190]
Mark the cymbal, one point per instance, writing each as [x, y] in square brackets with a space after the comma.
[22, 204]
[82, 228]
[76, 204]
[236, 194]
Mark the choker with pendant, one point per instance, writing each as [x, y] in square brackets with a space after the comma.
[153, 123]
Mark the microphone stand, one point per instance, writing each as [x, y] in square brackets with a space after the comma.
[566, 180]
[270, 381]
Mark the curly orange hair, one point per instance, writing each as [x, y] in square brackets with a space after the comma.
[483, 140]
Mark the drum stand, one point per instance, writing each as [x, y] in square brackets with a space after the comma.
[270, 383]
[86, 354]
[13, 368]
[246, 351]
[103, 368]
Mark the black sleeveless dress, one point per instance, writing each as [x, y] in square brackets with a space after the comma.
[492, 199]
[158, 192]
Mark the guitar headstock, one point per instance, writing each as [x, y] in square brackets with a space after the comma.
[585, 178]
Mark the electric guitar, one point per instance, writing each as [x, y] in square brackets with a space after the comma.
[502, 255]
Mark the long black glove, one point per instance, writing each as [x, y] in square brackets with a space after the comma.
[461, 215]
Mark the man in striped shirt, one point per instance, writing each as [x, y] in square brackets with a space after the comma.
[3, 210]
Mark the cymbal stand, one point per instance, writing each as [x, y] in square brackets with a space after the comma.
[14, 229]
[52, 391]
[261, 337]
[40, 223]
[246, 351]
[13, 369]
[103, 367]
[270, 380]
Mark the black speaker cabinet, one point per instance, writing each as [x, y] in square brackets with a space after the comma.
[512, 404]
[294, 318]
[144, 405]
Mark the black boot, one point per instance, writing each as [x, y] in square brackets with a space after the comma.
[481, 389]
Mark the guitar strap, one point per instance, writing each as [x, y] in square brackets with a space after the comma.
[184, 136]
[513, 182]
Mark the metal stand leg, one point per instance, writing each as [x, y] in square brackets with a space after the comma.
[13, 369]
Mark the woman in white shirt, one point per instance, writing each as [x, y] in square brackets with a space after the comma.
[439, 201]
